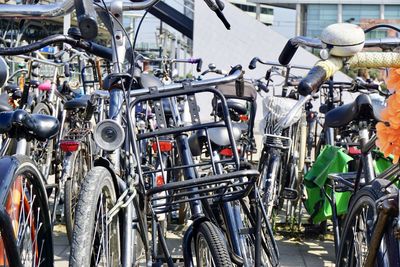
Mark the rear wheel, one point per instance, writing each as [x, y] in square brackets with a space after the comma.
[96, 238]
[211, 249]
[26, 205]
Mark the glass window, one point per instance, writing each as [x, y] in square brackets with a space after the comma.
[355, 13]
[392, 11]
[268, 11]
[251, 8]
[318, 17]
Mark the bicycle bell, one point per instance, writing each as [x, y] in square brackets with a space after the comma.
[342, 40]
[109, 135]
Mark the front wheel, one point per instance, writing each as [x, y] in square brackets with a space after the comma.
[24, 200]
[96, 238]
[358, 229]
[211, 249]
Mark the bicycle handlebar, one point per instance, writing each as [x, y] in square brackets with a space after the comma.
[88, 46]
[60, 8]
[195, 84]
[326, 68]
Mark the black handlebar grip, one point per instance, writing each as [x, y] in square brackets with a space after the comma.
[90, 109]
[67, 71]
[223, 19]
[253, 63]
[199, 64]
[287, 53]
[101, 51]
[311, 83]
[86, 16]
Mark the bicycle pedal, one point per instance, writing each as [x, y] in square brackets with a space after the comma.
[290, 194]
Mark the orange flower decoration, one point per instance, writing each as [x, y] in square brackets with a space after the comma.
[388, 132]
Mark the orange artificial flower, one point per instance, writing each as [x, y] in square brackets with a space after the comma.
[388, 132]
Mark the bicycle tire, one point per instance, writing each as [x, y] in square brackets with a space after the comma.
[72, 188]
[97, 184]
[388, 254]
[25, 201]
[210, 235]
[44, 158]
[269, 182]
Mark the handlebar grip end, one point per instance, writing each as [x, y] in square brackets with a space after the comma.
[253, 62]
[88, 26]
[287, 53]
[311, 83]
[199, 65]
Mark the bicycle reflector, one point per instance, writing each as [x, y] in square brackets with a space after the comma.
[69, 145]
[165, 146]
[159, 180]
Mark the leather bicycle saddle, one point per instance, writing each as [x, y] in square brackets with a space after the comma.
[77, 103]
[21, 123]
[148, 80]
[238, 107]
[361, 109]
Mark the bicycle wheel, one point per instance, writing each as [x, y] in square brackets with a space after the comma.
[358, 228]
[95, 242]
[80, 166]
[269, 182]
[211, 249]
[42, 152]
[25, 202]
[248, 221]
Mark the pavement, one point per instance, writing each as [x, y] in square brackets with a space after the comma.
[294, 252]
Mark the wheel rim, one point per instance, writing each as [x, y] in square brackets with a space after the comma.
[22, 207]
[358, 238]
[105, 240]
[204, 257]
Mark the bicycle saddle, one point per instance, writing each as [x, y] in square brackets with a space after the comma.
[238, 107]
[218, 137]
[11, 88]
[19, 122]
[77, 103]
[148, 80]
[229, 91]
[46, 86]
[4, 105]
[361, 109]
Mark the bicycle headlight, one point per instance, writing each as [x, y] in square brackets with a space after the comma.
[109, 135]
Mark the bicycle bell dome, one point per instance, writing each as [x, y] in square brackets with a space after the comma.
[343, 39]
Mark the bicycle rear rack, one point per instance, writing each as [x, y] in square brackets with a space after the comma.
[277, 141]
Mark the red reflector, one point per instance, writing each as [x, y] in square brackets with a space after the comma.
[165, 146]
[244, 117]
[69, 146]
[354, 151]
[227, 152]
[159, 180]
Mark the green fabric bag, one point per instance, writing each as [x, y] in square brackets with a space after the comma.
[332, 160]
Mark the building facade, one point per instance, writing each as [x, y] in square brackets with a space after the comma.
[314, 15]
[265, 13]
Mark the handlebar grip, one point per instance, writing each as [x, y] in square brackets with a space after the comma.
[199, 65]
[86, 16]
[67, 71]
[288, 52]
[101, 51]
[375, 60]
[223, 19]
[314, 79]
[253, 63]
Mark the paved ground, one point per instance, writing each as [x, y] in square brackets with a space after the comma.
[294, 252]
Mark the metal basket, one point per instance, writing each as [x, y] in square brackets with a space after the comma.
[231, 185]
[275, 109]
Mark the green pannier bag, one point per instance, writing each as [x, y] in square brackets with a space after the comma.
[331, 160]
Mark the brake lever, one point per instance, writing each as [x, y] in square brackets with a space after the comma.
[217, 7]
